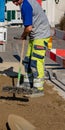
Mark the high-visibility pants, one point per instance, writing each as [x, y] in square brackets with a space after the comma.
[35, 59]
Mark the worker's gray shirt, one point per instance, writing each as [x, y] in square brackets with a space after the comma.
[40, 25]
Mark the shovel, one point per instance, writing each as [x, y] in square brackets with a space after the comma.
[19, 123]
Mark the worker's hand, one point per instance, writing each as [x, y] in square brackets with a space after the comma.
[23, 36]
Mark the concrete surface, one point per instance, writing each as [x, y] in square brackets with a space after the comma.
[11, 57]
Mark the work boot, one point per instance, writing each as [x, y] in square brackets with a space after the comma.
[38, 83]
[37, 90]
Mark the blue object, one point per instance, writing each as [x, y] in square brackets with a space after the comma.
[26, 12]
[2, 10]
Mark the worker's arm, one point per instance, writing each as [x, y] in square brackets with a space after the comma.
[26, 32]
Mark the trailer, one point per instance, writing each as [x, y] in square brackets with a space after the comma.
[56, 74]
[57, 55]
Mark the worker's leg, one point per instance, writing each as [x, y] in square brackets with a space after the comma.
[38, 65]
[34, 63]
[28, 77]
[38, 54]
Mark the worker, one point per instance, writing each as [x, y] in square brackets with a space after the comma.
[37, 27]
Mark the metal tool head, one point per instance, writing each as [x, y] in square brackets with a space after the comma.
[19, 123]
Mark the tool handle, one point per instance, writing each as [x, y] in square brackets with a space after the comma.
[21, 67]
[22, 51]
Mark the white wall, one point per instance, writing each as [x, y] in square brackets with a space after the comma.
[59, 10]
[11, 6]
[49, 5]
[51, 12]
[54, 11]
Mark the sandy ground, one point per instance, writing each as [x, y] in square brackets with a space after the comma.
[46, 113]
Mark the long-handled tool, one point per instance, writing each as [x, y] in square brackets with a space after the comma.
[20, 64]
[18, 89]
[16, 122]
